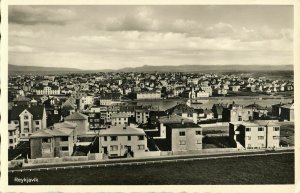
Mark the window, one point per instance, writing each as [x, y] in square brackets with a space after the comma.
[46, 140]
[248, 129]
[26, 123]
[11, 141]
[141, 147]
[37, 122]
[182, 133]
[261, 137]
[64, 138]
[114, 138]
[248, 137]
[141, 137]
[25, 117]
[26, 130]
[182, 142]
[64, 148]
[275, 128]
[16, 122]
[10, 133]
[129, 138]
[198, 132]
[113, 148]
[276, 137]
[260, 129]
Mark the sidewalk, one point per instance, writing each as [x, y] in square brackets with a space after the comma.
[125, 160]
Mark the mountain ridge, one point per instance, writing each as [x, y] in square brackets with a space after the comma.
[150, 68]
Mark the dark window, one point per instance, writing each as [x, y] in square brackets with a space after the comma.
[65, 138]
[141, 137]
[114, 138]
[248, 129]
[129, 138]
[260, 129]
[46, 140]
[182, 133]
[198, 132]
[65, 148]
[105, 138]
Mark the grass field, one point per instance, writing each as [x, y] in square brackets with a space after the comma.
[271, 169]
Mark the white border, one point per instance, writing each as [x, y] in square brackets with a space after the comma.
[154, 188]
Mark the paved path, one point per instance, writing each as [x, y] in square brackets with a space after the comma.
[131, 162]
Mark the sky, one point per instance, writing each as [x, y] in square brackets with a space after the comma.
[118, 36]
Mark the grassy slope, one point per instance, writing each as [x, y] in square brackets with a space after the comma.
[272, 169]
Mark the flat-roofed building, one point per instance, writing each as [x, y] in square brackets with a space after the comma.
[255, 135]
[122, 140]
[52, 142]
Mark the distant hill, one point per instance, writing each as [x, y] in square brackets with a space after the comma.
[209, 68]
[148, 68]
[16, 68]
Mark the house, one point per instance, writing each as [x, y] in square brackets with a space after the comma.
[81, 120]
[184, 111]
[235, 112]
[13, 135]
[122, 141]
[287, 112]
[119, 119]
[183, 136]
[254, 135]
[142, 115]
[258, 110]
[173, 118]
[147, 95]
[86, 101]
[47, 90]
[29, 119]
[52, 142]
[217, 110]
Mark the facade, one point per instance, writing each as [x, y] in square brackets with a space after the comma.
[162, 121]
[122, 141]
[52, 142]
[254, 135]
[142, 115]
[235, 112]
[13, 135]
[86, 101]
[147, 95]
[48, 90]
[287, 112]
[119, 119]
[28, 119]
[184, 136]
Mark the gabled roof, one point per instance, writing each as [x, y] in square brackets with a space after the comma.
[54, 132]
[119, 130]
[173, 119]
[183, 125]
[181, 108]
[36, 111]
[65, 124]
[76, 116]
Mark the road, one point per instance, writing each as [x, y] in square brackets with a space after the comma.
[166, 159]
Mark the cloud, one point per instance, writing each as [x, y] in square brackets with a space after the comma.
[140, 20]
[20, 48]
[33, 15]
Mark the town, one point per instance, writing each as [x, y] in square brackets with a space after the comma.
[79, 117]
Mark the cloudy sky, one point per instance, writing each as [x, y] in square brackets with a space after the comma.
[113, 37]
